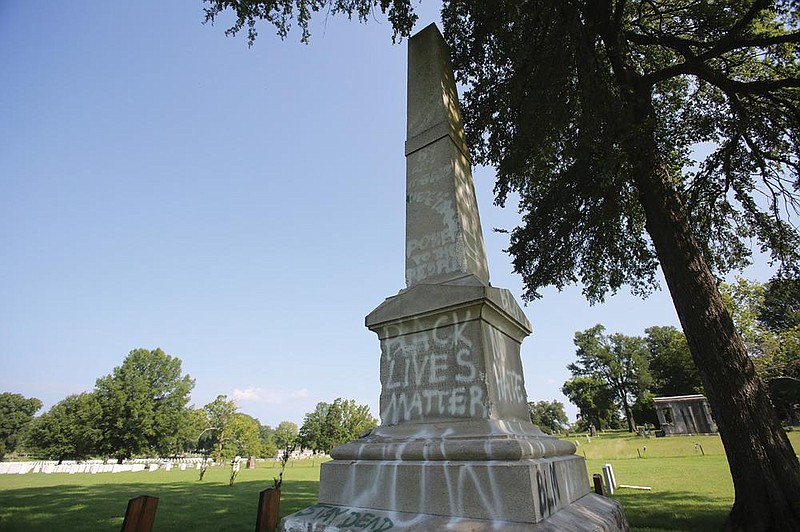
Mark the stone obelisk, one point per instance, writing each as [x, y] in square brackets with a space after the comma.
[455, 449]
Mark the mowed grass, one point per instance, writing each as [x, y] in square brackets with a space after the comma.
[690, 490]
[86, 502]
[689, 476]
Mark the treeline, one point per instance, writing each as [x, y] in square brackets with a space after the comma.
[142, 409]
[615, 373]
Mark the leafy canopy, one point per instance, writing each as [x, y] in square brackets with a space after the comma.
[618, 361]
[595, 400]
[16, 411]
[144, 404]
[766, 318]
[280, 14]
[548, 90]
[69, 430]
[332, 424]
[670, 363]
[548, 416]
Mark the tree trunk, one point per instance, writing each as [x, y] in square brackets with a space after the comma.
[765, 470]
[628, 414]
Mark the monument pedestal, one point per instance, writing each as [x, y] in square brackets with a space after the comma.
[590, 513]
[457, 450]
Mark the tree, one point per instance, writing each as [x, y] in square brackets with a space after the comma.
[245, 435]
[332, 424]
[70, 430]
[779, 313]
[590, 111]
[670, 363]
[548, 416]
[285, 436]
[775, 352]
[619, 361]
[143, 404]
[219, 416]
[16, 412]
[595, 401]
[314, 433]
[780, 308]
[268, 447]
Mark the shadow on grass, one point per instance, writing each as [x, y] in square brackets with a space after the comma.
[672, 510]
[182, 506]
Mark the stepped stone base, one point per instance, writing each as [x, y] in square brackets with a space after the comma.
[589, 513]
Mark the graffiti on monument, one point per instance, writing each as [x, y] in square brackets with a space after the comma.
[437, 372]
[344, 518]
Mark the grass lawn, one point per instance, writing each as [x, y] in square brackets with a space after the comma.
[690, 490]
[86, 502]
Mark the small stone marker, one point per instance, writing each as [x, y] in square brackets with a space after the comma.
[140, 515]
[608, 474]
[645, 488]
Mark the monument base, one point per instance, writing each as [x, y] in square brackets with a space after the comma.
[589, 513]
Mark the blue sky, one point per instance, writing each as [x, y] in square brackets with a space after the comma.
[162, 185]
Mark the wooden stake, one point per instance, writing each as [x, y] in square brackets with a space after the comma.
[598, 484]
[269, 505]
[140, 514]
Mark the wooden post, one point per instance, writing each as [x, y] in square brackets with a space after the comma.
[140, 514]
[598, 484]
[269, 506]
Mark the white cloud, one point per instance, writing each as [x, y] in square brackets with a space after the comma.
[273, 396]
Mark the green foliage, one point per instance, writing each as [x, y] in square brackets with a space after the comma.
[221, 428]
[268, 447]
[670, 363]
[618, 361]
[780, 308]
[70, 430]
[281, 12]
[245, 435]
[332, 424]
[552, 94]
[16, 412]
[775, 351]
[595, 400]
[548, 416]
[218, 418]
[143, 404]
[285, 435]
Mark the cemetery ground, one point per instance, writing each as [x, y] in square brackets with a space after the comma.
[689, 477]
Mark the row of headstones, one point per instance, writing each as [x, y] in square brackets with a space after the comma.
[21, 468]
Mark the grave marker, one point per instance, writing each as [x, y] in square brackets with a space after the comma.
[140, 514]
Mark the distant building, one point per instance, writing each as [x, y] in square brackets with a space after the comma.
[684, 414]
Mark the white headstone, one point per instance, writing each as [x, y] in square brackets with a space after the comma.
[608, 475]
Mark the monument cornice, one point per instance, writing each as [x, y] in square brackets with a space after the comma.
[420, 308]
